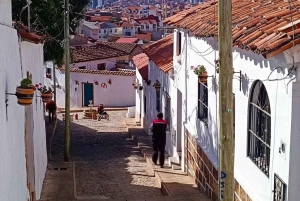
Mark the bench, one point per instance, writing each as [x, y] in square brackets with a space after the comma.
[102, 116]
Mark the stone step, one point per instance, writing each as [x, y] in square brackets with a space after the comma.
[162, 198]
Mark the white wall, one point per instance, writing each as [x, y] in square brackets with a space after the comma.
[13, 176]
[5, 12]
[32, 61]
[253, 67]
[119, 93]
[93, 65]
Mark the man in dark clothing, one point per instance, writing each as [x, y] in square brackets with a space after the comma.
[159, 128]
[51, 107]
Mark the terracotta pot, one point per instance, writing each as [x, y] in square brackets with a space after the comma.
[203, 77]
[24, 95]
[46, 97]
[135, 87]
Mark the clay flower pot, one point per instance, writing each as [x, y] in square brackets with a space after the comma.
[24, 95]
[203, 77]
[135, 87]
[46, 97]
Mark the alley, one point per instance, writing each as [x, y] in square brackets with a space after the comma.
[108, 164]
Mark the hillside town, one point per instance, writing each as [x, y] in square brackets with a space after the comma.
[149, 100]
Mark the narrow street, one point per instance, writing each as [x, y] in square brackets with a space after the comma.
[108, 164]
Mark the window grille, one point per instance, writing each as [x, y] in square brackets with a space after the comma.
[279, 189]
[167, 107]
[202, 102]
[259, 127]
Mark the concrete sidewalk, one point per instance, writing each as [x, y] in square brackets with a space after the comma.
[172, 182]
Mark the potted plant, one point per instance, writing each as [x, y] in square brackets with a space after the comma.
[46, 93]
[140, 87]
[25, 92]
[109, 81]
[156, 85]
[148, 82]
[200, 70]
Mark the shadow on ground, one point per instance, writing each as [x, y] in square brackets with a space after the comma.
[108, 164]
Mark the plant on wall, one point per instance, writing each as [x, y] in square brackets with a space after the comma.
[200, 70]
[25, 92]
[96, 82]
[46, 93]
[148, 82]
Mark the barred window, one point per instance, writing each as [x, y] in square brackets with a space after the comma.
[202, 102]
[158, 100]
[167, 107]
[259, 127]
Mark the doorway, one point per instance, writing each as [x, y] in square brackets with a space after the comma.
[88, 93]
[179, 120]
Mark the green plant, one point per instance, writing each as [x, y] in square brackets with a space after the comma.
[26, 83]
[45, 90]
[199, 70]
[156, 84]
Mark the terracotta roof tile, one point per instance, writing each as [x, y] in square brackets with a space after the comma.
[127, 40]
[125, 47]
[32, 36]
[90, 52]
[161, 53]
[263, 27]
[141, 61]
[104, 72]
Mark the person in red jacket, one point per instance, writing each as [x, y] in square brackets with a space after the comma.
[159, 127]
[51, 107]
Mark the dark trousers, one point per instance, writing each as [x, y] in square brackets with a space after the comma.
[161, 149]
[51, 115]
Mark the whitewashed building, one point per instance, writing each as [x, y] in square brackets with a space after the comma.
[23, 139]
[265, 94]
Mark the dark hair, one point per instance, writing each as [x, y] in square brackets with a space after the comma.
[160, 115]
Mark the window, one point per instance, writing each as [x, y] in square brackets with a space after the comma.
[82, 67]
[110, 30]
[147, 26]
[178, 48]
[101, 66]
[104, 31]
[142, 26]
[167, 108]
[259, 127]
[116, 30]
[202, 102]
[145, 106]
[158, 100]
[154, 26]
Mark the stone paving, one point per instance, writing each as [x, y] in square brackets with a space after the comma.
[108, 164]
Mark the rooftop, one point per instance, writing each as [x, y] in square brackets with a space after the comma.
[161, 53]
[32, 36]
[125, 47]
[104, 72]
[141, 62]
[264, 27]
[127, 40]
[90, 52]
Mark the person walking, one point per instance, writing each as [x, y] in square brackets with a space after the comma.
[159, 127]
[51, 108]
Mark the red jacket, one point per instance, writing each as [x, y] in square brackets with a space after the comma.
[51, 106]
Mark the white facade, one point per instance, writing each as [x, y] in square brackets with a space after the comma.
[283, 97]
[128, 31]
[14, 173]
[105, 32]
[93, 65]
[118, 94]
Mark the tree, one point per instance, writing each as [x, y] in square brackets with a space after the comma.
[47, 18]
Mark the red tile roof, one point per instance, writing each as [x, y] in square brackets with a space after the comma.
[127, 24]
[127, 40]
[142, 36]
[90, 52]
[32, 36]
[125, 47]
[161, 53]
[151, 19]
[104, 72]
[141, 62]
[264, 27]
[98, 18]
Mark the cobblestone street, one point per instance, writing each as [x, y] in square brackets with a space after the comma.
[108, 163]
